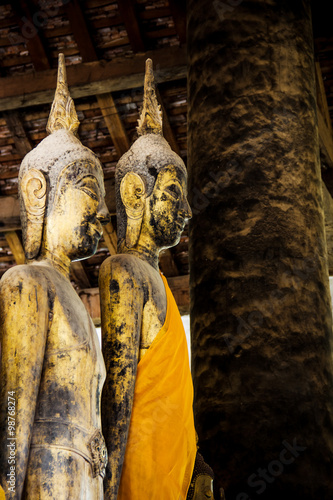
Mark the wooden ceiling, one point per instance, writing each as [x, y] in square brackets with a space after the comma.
[105, 44]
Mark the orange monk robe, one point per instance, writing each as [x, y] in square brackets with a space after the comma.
[161, 445]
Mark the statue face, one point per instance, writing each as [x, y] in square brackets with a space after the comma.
[167, 207]
[203, 489]
[75, 220]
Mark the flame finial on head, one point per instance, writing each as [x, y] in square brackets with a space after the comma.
[150, 121]
[63, 114]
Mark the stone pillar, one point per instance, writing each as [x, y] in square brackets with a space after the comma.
[260, 306]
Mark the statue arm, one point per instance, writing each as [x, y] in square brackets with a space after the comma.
[121, 311]
[23, 330]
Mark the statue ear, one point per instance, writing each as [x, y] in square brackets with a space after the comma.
[132, 191]
[33, 192]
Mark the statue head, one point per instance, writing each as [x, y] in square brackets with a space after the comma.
[151, 181]
[201, 486]
[51, 178]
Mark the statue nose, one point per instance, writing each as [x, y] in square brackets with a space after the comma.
[103, 214]
[187, 210]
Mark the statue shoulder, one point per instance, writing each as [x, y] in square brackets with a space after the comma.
[23, 277]
[123, 267]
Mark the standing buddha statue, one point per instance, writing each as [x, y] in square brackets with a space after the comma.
[147, 399]
[52, 370]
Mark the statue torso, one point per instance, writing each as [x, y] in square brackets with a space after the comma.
[144, 283]
[67, 422]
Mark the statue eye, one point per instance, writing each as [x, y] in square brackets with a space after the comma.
[174, 190]
[89, 186]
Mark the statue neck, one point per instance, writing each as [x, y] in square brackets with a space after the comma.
[143, 252]
[62, 264]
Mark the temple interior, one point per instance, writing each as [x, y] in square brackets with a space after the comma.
[238, 81]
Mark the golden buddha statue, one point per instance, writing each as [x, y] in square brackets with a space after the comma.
[52, 370]
[201, 486]
[147, 398]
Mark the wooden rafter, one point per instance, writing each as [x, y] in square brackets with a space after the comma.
[167, 130]
[113, 122]
[87, 50]
[178, 11]
[79, 274]
[110, 238]
[92, 78]
[15, 246]
[130, 19]
[30, 34]
[15, 126]
[80, 31]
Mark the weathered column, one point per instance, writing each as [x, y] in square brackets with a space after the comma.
[260, 307]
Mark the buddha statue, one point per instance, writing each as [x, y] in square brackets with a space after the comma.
[147, 414]
[52, 370]
[201, 486]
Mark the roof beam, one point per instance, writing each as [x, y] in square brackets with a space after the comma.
[15, 246]
[167, 130]
[79, 274]
[110, 238]
[15, 126]
[113, 122]
[105, 101]
[178, 12]
[30, 35]
[92, 78]
[130, 19]
[80, 31]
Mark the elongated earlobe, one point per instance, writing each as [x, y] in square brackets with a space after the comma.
[33, 192]
[132, 191]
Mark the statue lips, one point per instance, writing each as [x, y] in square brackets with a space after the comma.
[97, 230]
[180, 222]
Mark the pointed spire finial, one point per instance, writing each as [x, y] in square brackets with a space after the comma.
[63, 114]
[150, 121]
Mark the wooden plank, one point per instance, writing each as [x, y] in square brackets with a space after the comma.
[178, 11]
[113, 122]
[110, 238]
[32, 39]
[80, 31]
[9, 208]
[79, 274]
[155, 13]
[15, 126]
[92, 78]
[130, 18]
[167, 130]
[15, 246]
